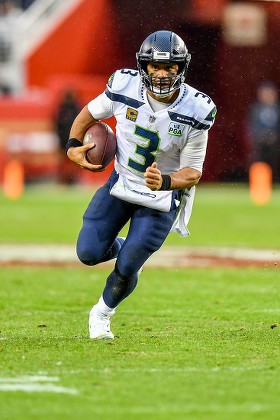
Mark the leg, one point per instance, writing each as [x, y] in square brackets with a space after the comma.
[148, 230]
[102, 221]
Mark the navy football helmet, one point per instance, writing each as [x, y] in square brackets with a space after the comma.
[163, 47]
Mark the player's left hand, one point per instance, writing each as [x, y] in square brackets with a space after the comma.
[153, 177]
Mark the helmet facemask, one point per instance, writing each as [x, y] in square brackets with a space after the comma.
[161, 87]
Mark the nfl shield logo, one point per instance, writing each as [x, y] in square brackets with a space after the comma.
[152, 119]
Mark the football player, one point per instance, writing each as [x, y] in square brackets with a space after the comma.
[162, 128]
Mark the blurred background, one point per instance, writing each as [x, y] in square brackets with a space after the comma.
[56, 55]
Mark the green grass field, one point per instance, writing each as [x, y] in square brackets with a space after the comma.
[223, 215]
[190, 343]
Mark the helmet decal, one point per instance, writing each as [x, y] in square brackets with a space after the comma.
[158, 55]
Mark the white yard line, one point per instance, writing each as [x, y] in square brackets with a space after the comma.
[34, 384]
[166, 256]
[29, 379]
[37, 388]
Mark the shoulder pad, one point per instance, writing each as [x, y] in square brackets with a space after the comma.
[121, 78]
[204, 110]
[110, 80]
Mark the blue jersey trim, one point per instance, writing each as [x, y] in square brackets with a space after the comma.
[212, 114]
[123, 99]
[184, 119]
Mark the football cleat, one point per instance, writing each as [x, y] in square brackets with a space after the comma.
[99, 326]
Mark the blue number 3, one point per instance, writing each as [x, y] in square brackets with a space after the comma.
[148, 151]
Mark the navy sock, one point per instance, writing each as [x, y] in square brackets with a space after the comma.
[118, 288]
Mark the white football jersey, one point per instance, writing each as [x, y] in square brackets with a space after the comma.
[174, 137]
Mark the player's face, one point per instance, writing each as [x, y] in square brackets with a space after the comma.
[162, 75]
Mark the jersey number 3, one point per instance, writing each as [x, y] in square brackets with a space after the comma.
[147, 151]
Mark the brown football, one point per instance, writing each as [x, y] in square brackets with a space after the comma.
[105, 144]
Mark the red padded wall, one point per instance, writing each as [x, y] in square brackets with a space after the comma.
[83, 43]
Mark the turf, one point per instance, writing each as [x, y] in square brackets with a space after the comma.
[191, 344]
[223, 215]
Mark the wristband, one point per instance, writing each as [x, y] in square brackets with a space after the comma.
[166, 183]
[72, 143]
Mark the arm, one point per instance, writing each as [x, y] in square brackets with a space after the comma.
[81, 124]
[191, 161]
[180, 180]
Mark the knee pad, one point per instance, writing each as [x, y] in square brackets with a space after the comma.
[87, 257]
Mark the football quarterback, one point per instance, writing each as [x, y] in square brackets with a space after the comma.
[162, 126]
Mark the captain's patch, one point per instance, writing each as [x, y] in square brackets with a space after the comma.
[131, 114]
[176, 129]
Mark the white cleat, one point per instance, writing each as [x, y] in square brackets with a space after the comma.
[99, 326]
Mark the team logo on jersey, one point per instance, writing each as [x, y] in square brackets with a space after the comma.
[213, 113]
[176, 129]
[131, 114]
[110, 81]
